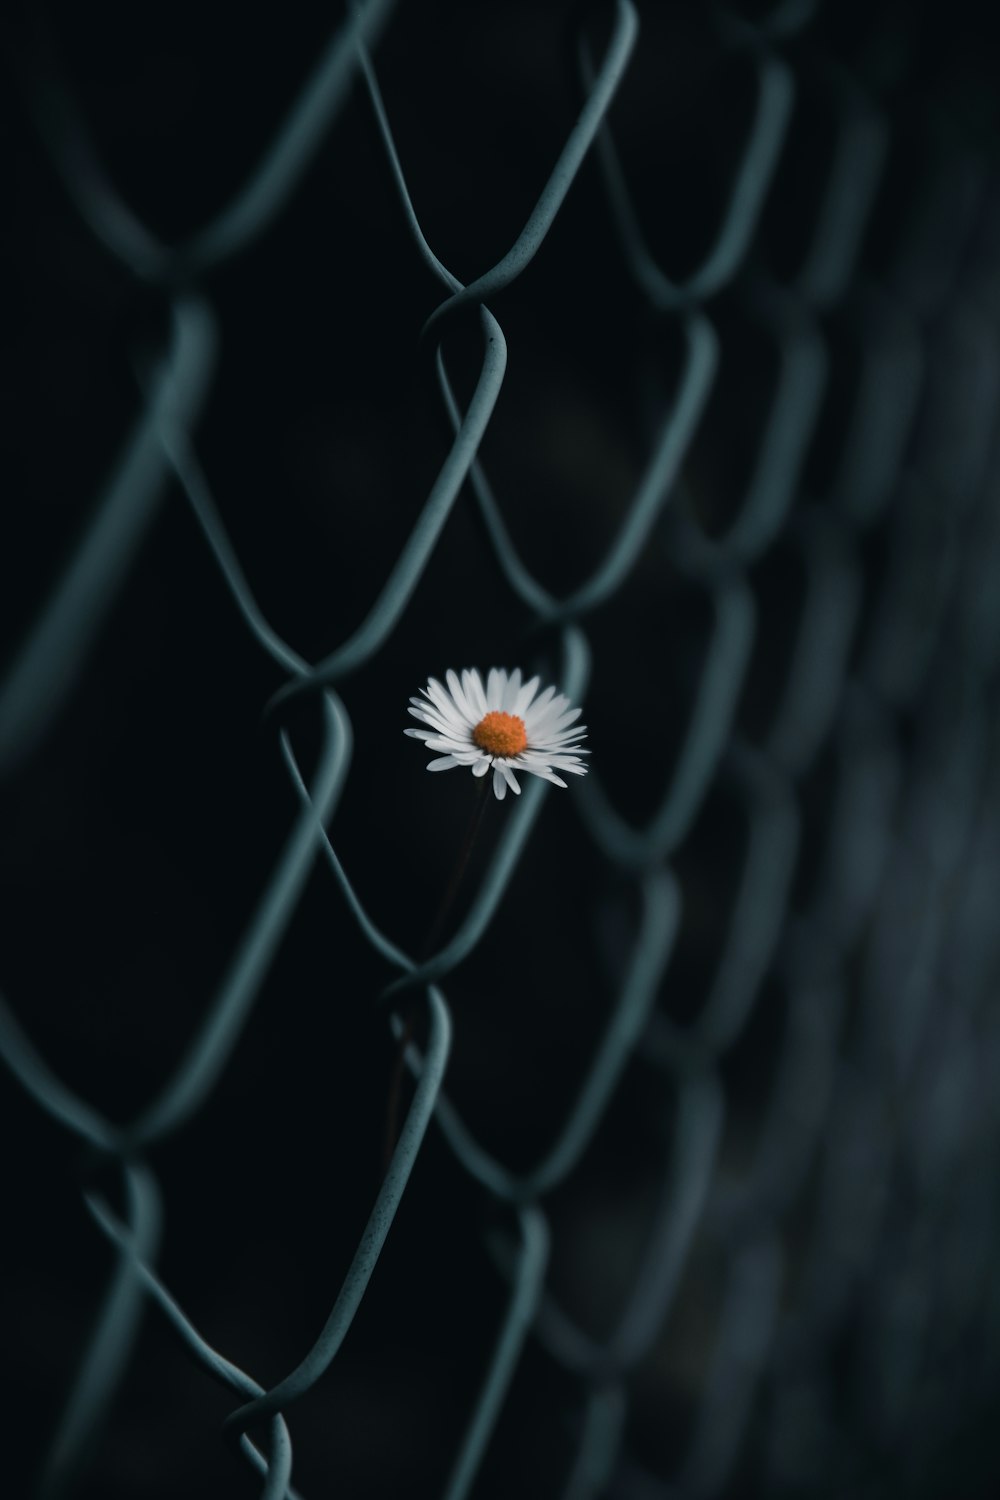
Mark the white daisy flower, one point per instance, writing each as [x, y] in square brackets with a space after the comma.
[502, 726]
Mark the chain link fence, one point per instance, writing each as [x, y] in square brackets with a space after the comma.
[695, 1186]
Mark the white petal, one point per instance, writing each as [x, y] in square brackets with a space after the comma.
[442, 701]
[560, 747]
[499, 784]
[531, 762]
[539, 711]
[450, 711]
[544, 734]
[431, 716]
[495, 684]
[481, 766]
[525, 696]
[509, 777]
[473, 684]
[445, 763]
[458, 693]
[557, 747]
[545, 774]
[436, 692]
[559, 704]
[448, 722]
[446, 742]
[552, 717]
[419, 734]
[511, 691]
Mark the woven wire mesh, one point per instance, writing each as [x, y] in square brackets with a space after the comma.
[703, 1121]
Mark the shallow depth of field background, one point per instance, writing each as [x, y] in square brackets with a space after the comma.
[772, 1244]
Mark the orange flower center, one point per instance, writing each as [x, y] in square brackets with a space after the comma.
[500, 734]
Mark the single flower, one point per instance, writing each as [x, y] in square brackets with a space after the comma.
[503, 726]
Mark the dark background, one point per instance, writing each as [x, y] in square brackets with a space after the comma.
[136, 836]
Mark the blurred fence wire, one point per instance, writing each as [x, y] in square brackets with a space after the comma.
[862, 858]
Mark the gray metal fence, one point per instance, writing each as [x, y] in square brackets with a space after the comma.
[727, 1218]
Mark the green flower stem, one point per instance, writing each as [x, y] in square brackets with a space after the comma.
[430, 943]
